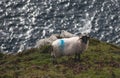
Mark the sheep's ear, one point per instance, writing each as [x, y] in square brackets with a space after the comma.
[80, 37]
[88, 37]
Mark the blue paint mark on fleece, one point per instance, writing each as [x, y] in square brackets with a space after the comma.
[61, 44]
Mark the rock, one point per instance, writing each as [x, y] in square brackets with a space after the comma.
[47, 41]
[42, 42]
[65, 34]
[53, 38]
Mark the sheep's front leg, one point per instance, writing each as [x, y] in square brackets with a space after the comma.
[77, 57]
[54, 60]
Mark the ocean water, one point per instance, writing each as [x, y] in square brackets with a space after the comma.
[23, 22]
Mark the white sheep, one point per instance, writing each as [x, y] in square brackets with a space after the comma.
[69, 46]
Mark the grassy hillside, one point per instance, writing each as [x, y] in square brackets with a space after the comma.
[101, 60]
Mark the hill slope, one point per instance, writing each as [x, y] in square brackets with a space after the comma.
[101, 60]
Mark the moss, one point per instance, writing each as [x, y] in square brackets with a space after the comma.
[101, 60]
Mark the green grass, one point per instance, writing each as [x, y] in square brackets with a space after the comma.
[101, 60]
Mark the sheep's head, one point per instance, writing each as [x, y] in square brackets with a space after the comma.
[85, 38]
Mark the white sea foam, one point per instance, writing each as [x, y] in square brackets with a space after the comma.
[87, 23]
[21, 25]
[43, 33]
[21, 48]
[118, 41]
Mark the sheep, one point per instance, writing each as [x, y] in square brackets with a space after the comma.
[69, 46]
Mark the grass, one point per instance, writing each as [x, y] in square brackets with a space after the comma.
[101, 60]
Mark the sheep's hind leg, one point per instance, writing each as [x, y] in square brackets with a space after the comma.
[77, 57]
[54, 61]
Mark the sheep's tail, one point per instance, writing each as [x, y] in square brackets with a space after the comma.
[51, 48]
[52, 51]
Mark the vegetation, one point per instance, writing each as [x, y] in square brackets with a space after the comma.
[101, 60]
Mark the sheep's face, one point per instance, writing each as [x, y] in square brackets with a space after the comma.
[85, 39]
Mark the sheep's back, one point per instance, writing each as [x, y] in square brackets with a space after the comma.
[66, 46]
